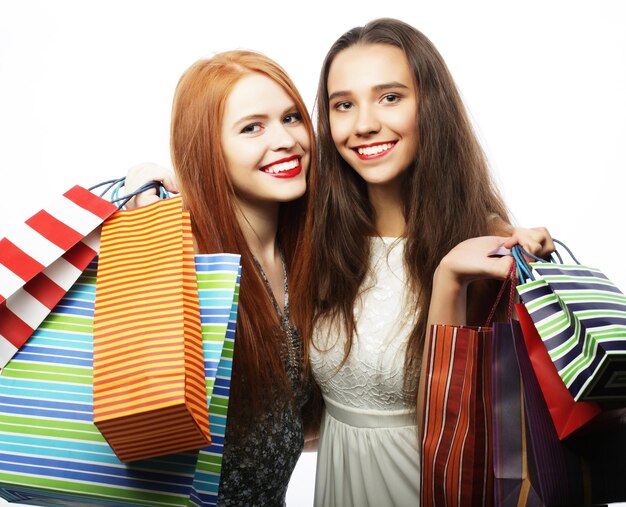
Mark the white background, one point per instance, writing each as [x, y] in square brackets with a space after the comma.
[86, 90]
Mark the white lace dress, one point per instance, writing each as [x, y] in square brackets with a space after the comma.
[368, 450]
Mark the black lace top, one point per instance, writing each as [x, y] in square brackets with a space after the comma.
[256, 467]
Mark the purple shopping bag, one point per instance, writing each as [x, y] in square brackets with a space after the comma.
[531, 465]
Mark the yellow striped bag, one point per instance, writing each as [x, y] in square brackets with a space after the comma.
[149, 388]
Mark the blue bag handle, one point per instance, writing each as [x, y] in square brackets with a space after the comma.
[113, 187]
[524, 271]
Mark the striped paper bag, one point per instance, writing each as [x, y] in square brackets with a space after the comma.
[581, 318]
[51, 453]
[567, 415]
[532, 466]
[456, 467]
[218, 292]
[41, 259]
[149, 388]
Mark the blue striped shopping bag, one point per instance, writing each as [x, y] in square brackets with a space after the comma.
[51, 453]
[219, 277]
[581, 318]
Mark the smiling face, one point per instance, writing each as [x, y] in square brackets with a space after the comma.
[266, 145]
[373, 111]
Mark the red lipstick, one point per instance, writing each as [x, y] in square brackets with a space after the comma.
[286, 173]
[390, 146]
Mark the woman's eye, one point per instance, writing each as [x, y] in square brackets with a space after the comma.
[292, 118]
[253, 128]
[343, 106]
[390, 98]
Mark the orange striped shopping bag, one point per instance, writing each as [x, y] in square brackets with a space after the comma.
[456, 467]
[149, 388]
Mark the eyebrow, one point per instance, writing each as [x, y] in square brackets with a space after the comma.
[257, 117]
[251, 117]
[377, 88]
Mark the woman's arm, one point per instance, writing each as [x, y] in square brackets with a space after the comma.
[467, 262]
[312, 417]
[310, 443]
[470, 261]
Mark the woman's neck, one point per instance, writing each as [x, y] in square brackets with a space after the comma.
[388, 209]
[259, 225]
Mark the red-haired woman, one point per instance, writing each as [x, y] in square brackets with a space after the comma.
[241, 145]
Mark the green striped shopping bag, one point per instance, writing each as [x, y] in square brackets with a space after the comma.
[51, 453]
[219, 277]
[581, 318]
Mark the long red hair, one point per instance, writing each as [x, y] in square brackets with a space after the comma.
[197, 114]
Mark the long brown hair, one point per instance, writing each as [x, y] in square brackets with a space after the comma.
[448, 192]
[197, 113]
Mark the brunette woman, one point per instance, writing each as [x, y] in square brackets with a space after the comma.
[406, 215]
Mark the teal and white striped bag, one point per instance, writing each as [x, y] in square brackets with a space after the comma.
[51, 453]
[219, 277]
[581, 318]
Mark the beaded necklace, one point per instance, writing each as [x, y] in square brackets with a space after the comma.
[283, 317]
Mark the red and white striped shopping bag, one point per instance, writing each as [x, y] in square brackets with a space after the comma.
[41, 259]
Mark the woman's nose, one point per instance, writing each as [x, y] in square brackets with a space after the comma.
[283, 139]
[367, 123]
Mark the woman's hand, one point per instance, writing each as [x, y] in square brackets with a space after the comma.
[537, 240]
[146, 172]
[470, 260]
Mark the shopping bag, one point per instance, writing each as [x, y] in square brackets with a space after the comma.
[219, 277]
[51, 453]
[567, 414]
[148, 374]
[581, 318]
[456, 464]
[41, 258]
[531, 466]
[29, 305]
[47, 235]
[602, 453]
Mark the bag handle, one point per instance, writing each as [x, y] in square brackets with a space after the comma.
[114, 186]
[524, 270]
[521, 272]
[511, 278]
